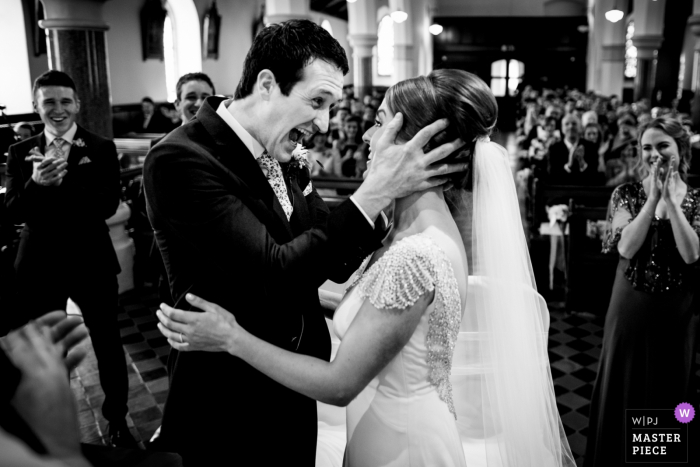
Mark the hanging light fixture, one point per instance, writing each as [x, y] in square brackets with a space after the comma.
[435, 29]
[615, 14]
[398, 11]
[399, 16]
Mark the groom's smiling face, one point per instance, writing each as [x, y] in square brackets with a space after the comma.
[305, 111]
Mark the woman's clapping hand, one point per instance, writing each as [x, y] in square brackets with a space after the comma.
[670, 182]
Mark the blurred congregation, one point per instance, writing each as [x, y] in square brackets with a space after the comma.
[578, 84]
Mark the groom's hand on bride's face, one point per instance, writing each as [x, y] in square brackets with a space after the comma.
[398, 170]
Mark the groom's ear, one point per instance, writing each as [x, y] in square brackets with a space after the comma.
[266, 84]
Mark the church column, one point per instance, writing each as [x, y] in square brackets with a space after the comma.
[612, 69]
[362, 45]
[694, 25]
[647, 48]
[403, 42]
[648, 36]
[609, 56]
[362, 28]
[277, 11]
[77, 45]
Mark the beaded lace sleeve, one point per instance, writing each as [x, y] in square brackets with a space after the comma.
[622, 197]
[408, 270]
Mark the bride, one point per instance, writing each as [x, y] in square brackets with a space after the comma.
[399, 321]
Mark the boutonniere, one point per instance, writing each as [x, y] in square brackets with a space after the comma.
[79, 143]
[300, 157]
[557, 214]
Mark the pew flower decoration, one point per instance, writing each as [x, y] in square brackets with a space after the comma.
[596, 229]
[522, 176]
[537, 150]
[300, 157]
[79, 143]
[558, 214]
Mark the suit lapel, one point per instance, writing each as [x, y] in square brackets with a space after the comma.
[77, 152]
[301, 218]
[236, 157]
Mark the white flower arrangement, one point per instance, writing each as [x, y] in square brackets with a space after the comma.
[300, 157]
[558, 214]
[523, 175]
[79, 143]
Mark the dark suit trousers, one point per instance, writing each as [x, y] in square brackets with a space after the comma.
[45, 281]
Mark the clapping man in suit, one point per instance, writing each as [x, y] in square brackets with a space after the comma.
[574, 160]
[63, 184]
[240, 223]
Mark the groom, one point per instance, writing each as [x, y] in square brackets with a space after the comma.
[239, 223]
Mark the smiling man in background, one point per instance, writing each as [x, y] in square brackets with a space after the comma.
[63, 184]
[191, 90]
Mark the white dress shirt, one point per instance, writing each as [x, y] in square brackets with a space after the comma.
[67, 137]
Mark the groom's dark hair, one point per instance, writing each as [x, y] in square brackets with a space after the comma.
[285, 49]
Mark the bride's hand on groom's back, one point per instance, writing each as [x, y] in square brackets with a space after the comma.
[399, 169]
[212, 330]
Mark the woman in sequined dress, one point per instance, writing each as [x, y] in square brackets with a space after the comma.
[399, 321]
[651, 325]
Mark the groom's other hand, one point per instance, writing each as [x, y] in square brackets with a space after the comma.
[398, 170]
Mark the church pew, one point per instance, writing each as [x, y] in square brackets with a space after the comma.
[590, 273]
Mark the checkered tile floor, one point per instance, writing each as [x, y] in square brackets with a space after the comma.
[147, 354]
[574, 349]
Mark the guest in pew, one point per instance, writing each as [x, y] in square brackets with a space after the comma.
[650, 334]
[63, 184]
[573, 161]
[151, 119]
[625, 169]
[171, 114]
[345, 148]
[625, 139]
[593, 133]
[23, 130]
[323, 159]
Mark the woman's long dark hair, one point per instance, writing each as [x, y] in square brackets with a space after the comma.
[461, 97]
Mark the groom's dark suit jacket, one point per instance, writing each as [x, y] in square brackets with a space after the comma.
[224, 236]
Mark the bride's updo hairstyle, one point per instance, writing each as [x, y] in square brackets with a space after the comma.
[461, 97]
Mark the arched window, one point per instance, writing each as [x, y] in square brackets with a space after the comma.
[15, 86]
[169, 59]
[385, 46]
[506, 74]
[182, 42]
[630, 52]
[325, 24]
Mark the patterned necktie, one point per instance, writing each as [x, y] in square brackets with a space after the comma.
[273, 171]
[58, 148]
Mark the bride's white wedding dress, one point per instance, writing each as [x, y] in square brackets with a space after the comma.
[405, 416]
[501, 380]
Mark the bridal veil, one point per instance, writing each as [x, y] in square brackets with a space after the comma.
[502, 383]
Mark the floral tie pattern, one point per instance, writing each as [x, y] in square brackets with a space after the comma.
[273, 171]
[58, 148]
